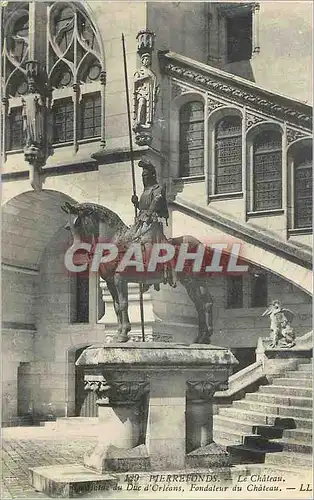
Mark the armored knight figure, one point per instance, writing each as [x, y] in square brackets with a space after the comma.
[153, 209]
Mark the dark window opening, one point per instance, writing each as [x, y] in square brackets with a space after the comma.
[267, 171]
[259, 290]
[228, 152]
[90, 116]
[234, 292]
[303, 188]
[82, 298]
[192, 139]
[16, 132]
[239, 37]
[63, 121]
[64, 27]
[17, 42]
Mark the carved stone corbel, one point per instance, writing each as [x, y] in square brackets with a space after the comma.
[202, 390]
[115, 393]
[127, 393]
[100, 387]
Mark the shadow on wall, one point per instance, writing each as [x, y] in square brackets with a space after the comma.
[242, 69]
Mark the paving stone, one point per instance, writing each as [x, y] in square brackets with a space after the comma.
[38, 447]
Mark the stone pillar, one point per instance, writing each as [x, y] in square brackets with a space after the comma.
[123, 374]
[199, 413]
[119, 409]
[166, 420]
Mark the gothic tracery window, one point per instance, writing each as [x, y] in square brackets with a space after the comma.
[267, 171]
[15, 132]
[15, 50]
[303, 188]
[73, 61]
[228, 155]
[90, 116]
[70, 53]
[192, 139]
[63, 121]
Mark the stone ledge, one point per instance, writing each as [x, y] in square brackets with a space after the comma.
[161, 354]
[47, 479]
[66, 481]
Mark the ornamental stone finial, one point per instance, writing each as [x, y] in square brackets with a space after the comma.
[145, 42]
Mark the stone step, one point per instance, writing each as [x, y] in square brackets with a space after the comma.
[236, 430]
[307, 367]
[273, 409]
[294, 382]
[285, 400]
[73, 421]
[292, 445]
[260, 418]
[223, 435]
[299, 374]
[241, 453]
[286, 459]
[284, 390]
[303, 435]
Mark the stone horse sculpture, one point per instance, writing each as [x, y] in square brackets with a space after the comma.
[91, 222]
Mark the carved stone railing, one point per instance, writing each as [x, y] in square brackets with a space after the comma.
[243, 379]
[269, 362]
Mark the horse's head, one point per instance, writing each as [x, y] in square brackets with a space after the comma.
[89, 221]
[83, 221]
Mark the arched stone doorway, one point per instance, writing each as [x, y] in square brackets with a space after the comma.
[36, 296]
[85, 401]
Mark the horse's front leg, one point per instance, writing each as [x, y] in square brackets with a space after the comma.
[125, 325]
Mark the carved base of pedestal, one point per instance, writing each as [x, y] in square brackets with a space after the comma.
[111, 458]
[211, 455]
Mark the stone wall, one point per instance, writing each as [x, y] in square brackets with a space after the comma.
[234, 328]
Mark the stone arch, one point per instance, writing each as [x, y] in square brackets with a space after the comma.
[25, 232]
[30, 221]
[250, 252]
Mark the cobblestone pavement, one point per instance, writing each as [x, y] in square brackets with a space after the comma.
[25, 447]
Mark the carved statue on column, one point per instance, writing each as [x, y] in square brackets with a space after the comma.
[146, 94]
[33, 113]
[33, 118]
[146, 89]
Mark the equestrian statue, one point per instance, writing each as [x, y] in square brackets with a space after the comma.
[91, 222]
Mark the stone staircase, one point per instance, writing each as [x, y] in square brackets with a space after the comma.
[272, 425]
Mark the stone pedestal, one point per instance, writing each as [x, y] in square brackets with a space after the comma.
[155, 402]
[155, 411]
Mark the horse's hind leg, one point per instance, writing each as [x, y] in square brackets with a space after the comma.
[125, 325]
[115, 298]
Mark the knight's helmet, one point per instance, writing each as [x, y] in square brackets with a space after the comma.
[147, 166]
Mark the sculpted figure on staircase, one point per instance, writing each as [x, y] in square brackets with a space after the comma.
[282, 333]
